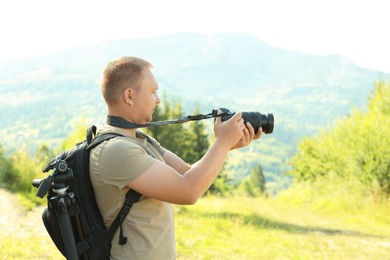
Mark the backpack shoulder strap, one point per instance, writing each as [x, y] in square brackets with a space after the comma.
[132, 196]
[94, 140]
[146, 137]
[91, 132]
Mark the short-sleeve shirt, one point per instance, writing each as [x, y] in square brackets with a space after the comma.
[149, 226]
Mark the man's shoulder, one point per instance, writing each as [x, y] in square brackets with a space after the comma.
[120, 143]
[105, 129]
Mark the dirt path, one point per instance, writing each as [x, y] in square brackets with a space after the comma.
[15, 220]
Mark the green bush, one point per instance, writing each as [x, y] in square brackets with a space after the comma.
[358, 147]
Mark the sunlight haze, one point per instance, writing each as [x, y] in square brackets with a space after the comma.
[355, 29]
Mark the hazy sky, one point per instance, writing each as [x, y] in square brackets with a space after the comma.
[357, 29]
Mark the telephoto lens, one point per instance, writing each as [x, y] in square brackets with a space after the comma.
[257, 120]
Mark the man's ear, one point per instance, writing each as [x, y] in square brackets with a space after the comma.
[128, 96]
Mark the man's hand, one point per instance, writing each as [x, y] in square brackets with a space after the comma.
[249, 135]
[229, 132]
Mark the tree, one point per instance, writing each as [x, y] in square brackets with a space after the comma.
[172, 136]
[379, 101]
[358, 147]
[197, 141]
[190, 141]
[43, 155]
[6, 169]
[254, 184]
[25, 169]
[78, 135]
[19, 169]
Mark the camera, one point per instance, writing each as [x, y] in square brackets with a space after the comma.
[257, 120]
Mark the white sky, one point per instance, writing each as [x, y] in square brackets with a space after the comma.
[357, 29]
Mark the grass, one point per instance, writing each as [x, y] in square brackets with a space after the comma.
[255, 228]
[245, 228]
[28, 247]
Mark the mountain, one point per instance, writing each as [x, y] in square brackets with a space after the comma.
[41, 98]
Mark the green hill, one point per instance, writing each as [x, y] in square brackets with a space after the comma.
[41, 98]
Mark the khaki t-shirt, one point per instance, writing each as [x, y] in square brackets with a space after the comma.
[149, 226]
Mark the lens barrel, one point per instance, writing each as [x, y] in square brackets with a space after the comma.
[257, 120]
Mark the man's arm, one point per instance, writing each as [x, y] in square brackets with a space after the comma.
[177, 182]
[176, 162]
[182, 167]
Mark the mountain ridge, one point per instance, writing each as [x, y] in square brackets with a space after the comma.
[42, 97]
[239, 69]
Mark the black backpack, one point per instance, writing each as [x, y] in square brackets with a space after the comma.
[72, 217]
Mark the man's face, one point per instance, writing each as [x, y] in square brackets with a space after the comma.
[146, 98]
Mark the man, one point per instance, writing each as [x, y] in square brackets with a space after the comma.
[130, 92]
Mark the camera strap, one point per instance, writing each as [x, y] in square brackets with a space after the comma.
[117, 121]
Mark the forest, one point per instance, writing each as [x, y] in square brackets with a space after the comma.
[354, 153]
[44, 99]
[336, 208]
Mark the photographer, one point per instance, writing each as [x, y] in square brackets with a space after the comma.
[117, 165]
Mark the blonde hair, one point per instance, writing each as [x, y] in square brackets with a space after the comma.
[124, 72]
